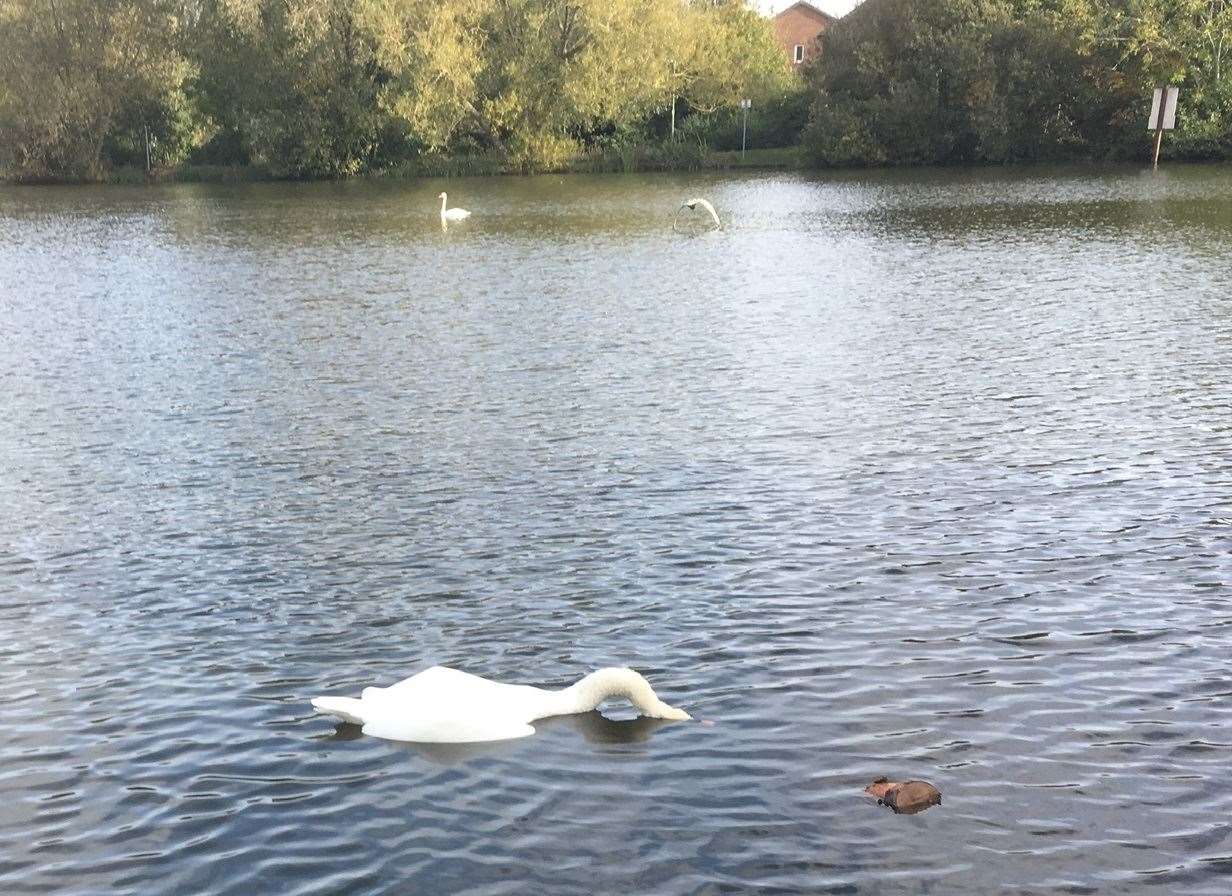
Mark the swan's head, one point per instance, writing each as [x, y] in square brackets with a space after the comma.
[442, 196]
[674, 713]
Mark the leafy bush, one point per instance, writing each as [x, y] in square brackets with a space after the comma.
[775, 122]
[960, 81]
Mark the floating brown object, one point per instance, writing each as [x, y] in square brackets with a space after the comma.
[904, 797]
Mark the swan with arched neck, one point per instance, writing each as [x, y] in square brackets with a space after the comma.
[446, 706]
[699, 202]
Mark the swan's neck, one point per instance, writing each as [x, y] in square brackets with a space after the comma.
[444, 199]
[610, 683]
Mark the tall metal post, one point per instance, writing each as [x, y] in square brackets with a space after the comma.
[147, 150]
[744, 130]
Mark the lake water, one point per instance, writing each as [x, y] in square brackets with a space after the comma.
[924, 474]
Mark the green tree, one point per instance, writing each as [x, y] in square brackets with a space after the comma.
[975, 80]
[714, 53]
[296, 80]
[309, 88]
[72, 70]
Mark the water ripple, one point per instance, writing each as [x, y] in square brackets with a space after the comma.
[925, 476]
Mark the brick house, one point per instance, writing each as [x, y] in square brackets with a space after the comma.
[797, 29]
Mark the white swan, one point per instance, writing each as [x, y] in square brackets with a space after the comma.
[691, 204]
[444, 706]
[451, 214]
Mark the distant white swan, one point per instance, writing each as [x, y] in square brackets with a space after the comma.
[444, 706]
[451, 214]
[691, 204]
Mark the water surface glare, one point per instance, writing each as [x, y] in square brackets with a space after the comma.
[923, 474]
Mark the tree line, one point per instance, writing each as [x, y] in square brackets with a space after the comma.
[952, 81]
[333, 88]
[311, 88]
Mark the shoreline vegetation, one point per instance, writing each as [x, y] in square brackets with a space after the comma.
[791, 158]
[782, 159]
[637, 160]
[244, 90]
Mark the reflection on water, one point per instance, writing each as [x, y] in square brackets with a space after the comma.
[916, 473]
[594, 727]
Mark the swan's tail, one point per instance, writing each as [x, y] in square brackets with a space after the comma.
[346, 708]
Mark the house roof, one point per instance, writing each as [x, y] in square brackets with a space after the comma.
[808, 7]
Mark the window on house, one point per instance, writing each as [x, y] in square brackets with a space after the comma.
[799, 53]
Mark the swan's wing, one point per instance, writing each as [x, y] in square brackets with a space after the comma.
[447, 691]
[443, 705]
[441, 684]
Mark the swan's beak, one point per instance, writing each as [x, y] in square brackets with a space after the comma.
[676, 715]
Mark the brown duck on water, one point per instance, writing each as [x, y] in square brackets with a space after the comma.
[904, 797]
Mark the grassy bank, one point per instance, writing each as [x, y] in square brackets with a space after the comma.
[681, 156]
[790, 157]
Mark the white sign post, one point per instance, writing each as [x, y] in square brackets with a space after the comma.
[744, 132]
[1163, 115]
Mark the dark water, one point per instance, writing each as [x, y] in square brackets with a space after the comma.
[918, 474]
